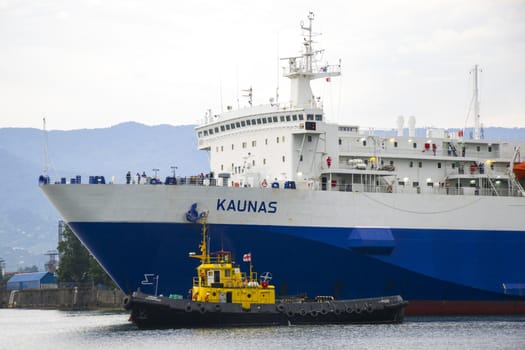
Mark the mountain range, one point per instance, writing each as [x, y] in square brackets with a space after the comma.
[29, 224]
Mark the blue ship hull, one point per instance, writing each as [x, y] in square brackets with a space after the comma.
[423, 266]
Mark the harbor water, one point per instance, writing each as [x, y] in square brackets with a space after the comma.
[51, 329]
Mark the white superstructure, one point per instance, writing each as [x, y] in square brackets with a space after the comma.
[274, 144]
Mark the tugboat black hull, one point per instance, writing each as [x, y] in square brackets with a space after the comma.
[149, 311]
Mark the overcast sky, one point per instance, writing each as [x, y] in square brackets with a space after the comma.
[97, 63]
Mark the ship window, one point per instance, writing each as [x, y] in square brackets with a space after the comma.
[264, 120]
[222, 128]
[264, 161]
[283, 138]
[216, 130]
[294, 117]
[439, 165]
[309, 138]
[244, 144]
[411, 164]
[205, 132]
[420, 164]
[243, 124]
[258, 120]
[395, 143]
[254, 122]
[478, 148]
[227, 126]
[253, 162]
[227, 273]
[254, 143]
[222, 167]
[318, 117]
[364, 142]
[277, 139]
[222, 148]
[490, 149]
[309, 117]
[382, 162]
[232, 125]
[275, 120]
[238, 124]
[270, 119]
[217, 149]
[391, 162]
[414, 145]
[248, 122]
[210, 131]
[232, 145]
[340, 142]
[301, 158]
[287, 118]
[453, 165]
[282, 118]
[415, 184]
[284, 159]
[200, 133]
[300, 117]
[265, 141]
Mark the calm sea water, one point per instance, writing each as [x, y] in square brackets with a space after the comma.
[43, 329]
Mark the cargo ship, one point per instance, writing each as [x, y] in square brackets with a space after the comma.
[436, 218]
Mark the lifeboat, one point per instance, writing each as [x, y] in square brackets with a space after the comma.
[519, 170]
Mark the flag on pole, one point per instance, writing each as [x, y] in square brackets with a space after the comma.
[247, 257]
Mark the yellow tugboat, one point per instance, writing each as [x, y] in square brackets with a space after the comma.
[222, 295]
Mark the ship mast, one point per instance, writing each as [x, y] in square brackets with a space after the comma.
[302, 69]
[475, 97]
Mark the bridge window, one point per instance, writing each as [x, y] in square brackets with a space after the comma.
[287, 118]
[216, 130]
[264, 120]
[238, 124]
[243, 123]
[227, 126]
[301, 117]
[258, 120]
[248, 122]
[318, 117]
[222, 128]
[309, 117]
[294, 117]
[281, 118]
[275, 119]
[232, 125]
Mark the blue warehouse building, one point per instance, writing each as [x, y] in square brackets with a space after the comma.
[36, 280]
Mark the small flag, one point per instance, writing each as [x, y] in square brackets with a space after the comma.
[247, 257]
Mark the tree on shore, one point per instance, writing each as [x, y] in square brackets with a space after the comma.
[77, 264]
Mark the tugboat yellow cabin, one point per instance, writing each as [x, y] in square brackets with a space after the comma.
[219, 280]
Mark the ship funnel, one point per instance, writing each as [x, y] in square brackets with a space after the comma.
[400, 121]
[411, 126]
